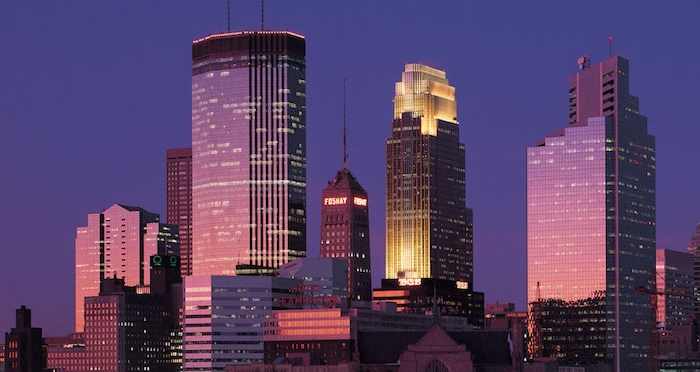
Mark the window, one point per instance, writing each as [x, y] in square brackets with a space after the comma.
[435, 365]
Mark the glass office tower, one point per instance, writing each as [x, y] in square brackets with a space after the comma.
[591, 226]
[248, 150]
[428, 227]
[118, 243]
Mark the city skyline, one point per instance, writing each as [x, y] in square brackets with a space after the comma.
[76, 144]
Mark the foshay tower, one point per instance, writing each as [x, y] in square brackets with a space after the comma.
[345, 228]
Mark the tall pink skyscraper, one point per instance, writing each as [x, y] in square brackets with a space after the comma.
[248, 150]
[591, 226]
[118, 243]
[178, 201]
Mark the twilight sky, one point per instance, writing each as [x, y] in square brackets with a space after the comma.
[92, 93]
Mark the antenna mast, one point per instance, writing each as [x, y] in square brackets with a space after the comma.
[610, 46]
[228, 16]
[262, 15]
[345, 130]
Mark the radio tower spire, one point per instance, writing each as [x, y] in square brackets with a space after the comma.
[262, 15]
[345, 130]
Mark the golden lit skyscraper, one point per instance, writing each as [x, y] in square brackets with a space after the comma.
[591, 234]
[429, 228]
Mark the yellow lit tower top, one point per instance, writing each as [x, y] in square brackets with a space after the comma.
[425, 92]
[428, 226]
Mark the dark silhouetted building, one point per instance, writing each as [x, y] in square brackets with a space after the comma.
[694, 249]
[426, 296]
[248, 150]
[178, 200]
[127, 331]
[428, 227]
[345, 231]
[25, 350]
[591, 226]
[674, 285]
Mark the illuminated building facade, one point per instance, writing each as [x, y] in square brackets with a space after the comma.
[118, 242]
[224, 318]
[674, 284]
[66, 354]
[345, 231]
[591, 231]
[428, 228]
[178, 200]
[308, 337]
[323, 278]
[24, 345]
[224, 315]
[694, 249]
[248, 150]
[425, 296]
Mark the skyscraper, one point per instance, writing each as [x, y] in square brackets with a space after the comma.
[248, 150]
[591, 225]
[674, 284]
[694, 249]
[178, 200]
[345, 231]
[428, 227]
[118, 242]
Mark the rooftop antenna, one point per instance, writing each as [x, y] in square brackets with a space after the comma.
[228, 15]
[610, 46]
[345, 130]
[262, 15]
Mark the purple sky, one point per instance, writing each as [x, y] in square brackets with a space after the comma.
[92, 93]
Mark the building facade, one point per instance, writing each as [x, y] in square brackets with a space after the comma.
[428, 227]
[674, 285]
[126, 331]
[324, 278]
[224, 317]
[66, 354]
[118, 242]
[345, 231]
[694, 249]
[591, 226]
[436, 297]
[178, 200]
[24, 346]
[248, 150]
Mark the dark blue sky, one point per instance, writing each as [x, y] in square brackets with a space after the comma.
[92, 93]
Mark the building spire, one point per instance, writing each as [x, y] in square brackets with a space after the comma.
[610, 46]
[262, 15]
[345, 130]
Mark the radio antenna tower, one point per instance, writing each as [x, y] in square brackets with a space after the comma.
[345, 130]
[262, 15]
[228, 16]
